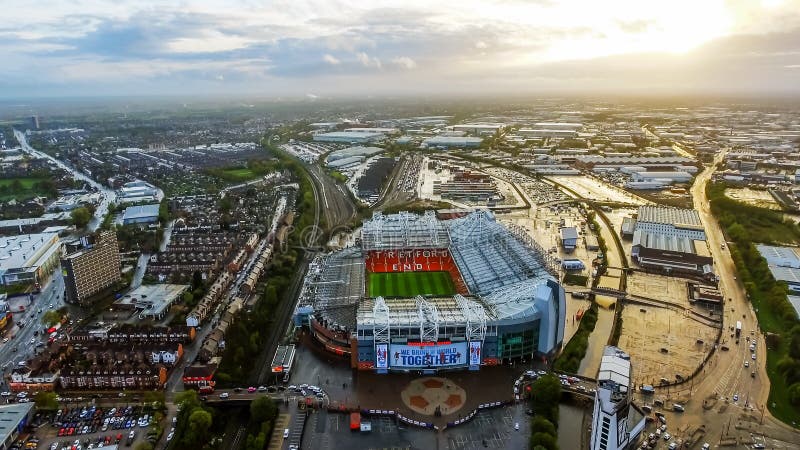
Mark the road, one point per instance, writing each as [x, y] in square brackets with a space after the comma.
[108, 195]
[20, 338]
[711, 393]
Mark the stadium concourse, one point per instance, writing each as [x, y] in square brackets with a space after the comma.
[419, 294]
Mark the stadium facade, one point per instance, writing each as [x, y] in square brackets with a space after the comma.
[421, 294]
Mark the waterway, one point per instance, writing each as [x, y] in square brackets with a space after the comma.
[597, 342]
[571, 425]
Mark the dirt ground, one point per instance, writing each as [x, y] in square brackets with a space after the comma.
[668, 289]
[753, 197]
[646, 330]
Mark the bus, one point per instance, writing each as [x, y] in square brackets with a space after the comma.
[206, 389]
[738, 328]
[355, 421]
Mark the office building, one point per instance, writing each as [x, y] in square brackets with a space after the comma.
[93, 269]
[616, 422]
[34, 122]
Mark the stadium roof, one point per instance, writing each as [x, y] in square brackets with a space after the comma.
[669, 216]
[404, 230]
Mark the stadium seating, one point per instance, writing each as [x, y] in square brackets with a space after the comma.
[416, 260]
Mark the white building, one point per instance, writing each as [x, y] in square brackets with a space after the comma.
[616, 422]
[671, 222]
[28, 257]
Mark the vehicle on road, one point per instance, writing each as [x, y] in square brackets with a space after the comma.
[251, 389]
[224, 395]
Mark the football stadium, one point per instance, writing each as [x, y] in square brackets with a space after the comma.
[417, 293]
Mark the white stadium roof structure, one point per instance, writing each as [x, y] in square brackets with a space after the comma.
[404, 230]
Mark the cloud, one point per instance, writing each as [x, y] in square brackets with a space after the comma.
[330, 59]
[153, 47]
[368, 61]
[404, 62]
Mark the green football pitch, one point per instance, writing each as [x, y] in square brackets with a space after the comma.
[410, 284]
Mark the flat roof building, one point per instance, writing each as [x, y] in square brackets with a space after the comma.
[28, 258]
[349, 137]
[13, 420]
[453, 141]
[616, 422]
[140, 214]
[152, 301]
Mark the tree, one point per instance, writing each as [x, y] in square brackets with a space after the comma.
[541, 425]
[46, 400]
[263, 409]
[199, 424]
[545, 396]
[51, 317]
[187, 400]
[80, 216]
[545, 440]
[794, 394]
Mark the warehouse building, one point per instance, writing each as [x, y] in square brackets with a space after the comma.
[783, 263]
[671, 240]
[349, 137]
[140, 214]
[28, 258]
[453, 141]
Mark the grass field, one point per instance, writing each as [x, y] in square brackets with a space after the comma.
[410, 284]
[242, 174]
[26, 189]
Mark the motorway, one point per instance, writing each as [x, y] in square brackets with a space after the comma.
[108, 195]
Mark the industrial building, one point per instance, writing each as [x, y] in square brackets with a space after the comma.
[452, 141]
[663, 177]
[783, 263]
[28, 258]
[569, 238]
[616, 421]
[507, 307]
[140, 214]
[349, 137]
[93, 269]
[137, 191]
[672, 240]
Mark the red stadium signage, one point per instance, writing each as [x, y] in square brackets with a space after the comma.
[428, 344]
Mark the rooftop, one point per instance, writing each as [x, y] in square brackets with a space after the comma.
[669, 216]
[615, 366]
[25, 249]
[10, 417]
[141, 212]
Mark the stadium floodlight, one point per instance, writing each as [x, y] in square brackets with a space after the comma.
[428, 320]
[380, 324]
[475, 316]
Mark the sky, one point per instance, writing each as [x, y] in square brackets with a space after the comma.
[333, 48]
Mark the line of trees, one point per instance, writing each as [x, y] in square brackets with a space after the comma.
[570, 359]
[745, 224]
[544, 400]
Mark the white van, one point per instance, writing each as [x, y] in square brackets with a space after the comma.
[285, 433]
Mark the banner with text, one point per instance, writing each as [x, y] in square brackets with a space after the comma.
[431, 355]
